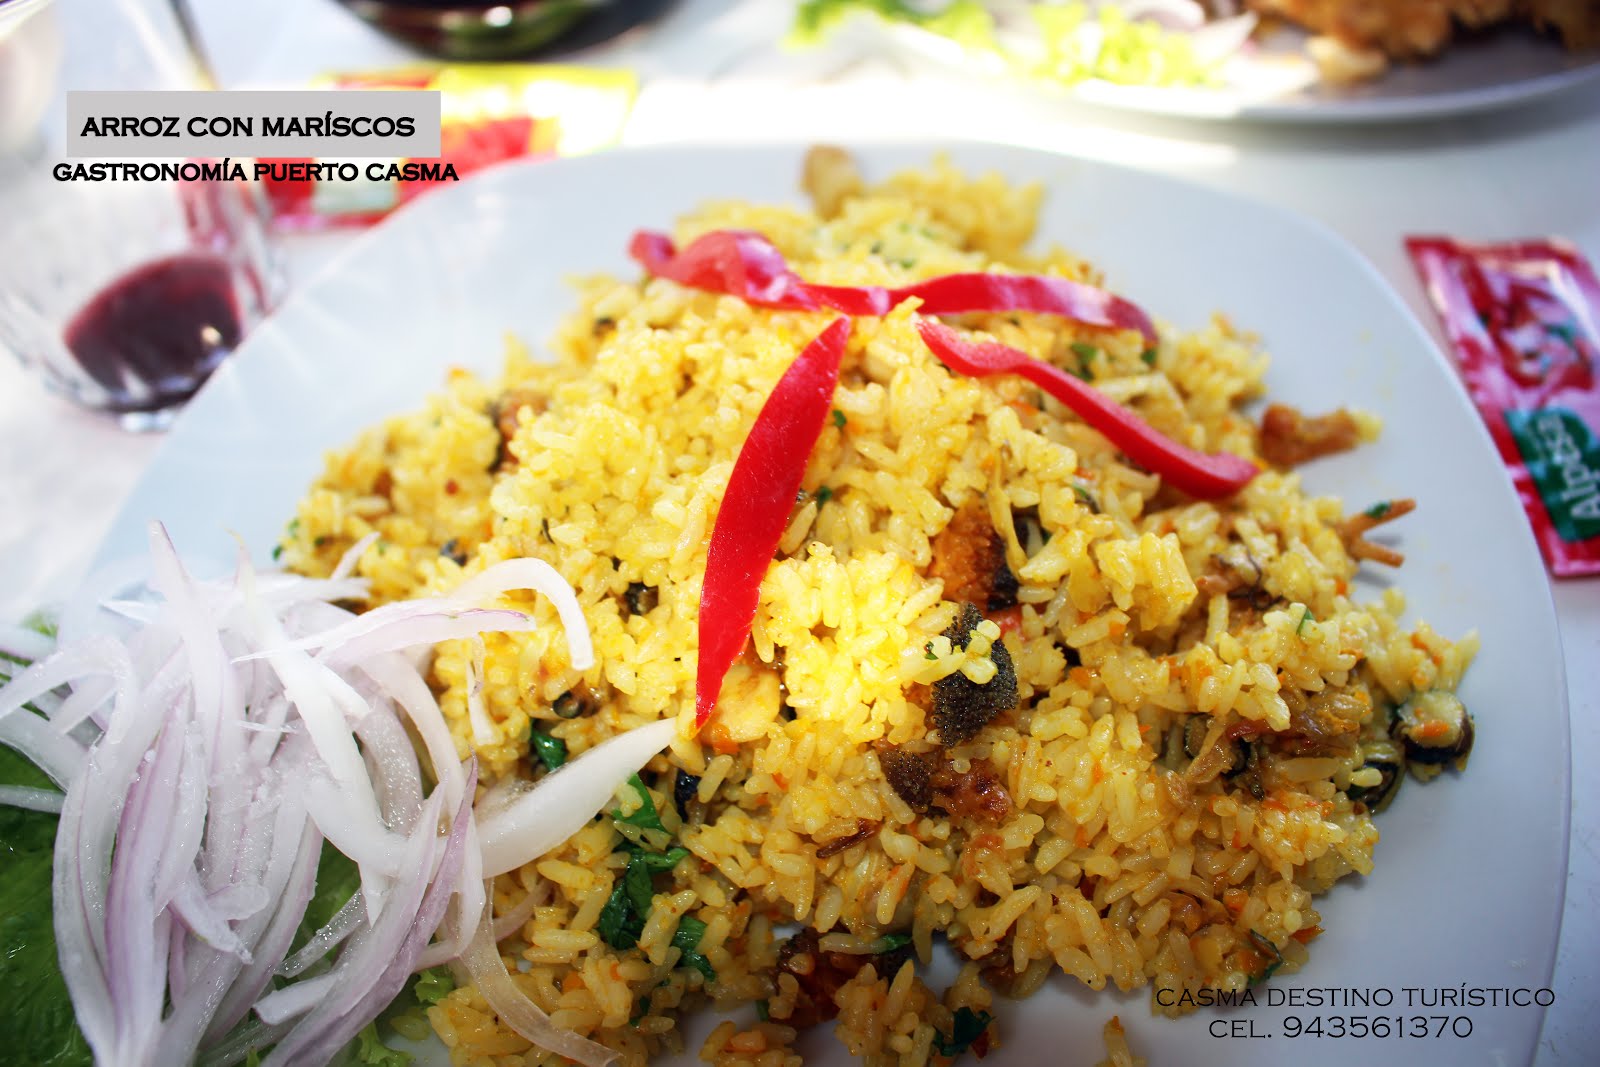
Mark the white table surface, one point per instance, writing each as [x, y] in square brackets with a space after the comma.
[1527, 172]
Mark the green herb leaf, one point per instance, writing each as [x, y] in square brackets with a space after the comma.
[552, 751]
[42, 622]
[701, 964]
[1378, 510]
[645, 817]
[372, 1052]
[40, 1027]
[687, 940]
[690, 931]
[1084, 350]
[824, 494]
[1149, 357]
[928, 652]
[763, 1011]
[890, 942]
[622, 919]
[838, 418]
[277, 554]
[636, 883]
[1305, 618]
[433, 985]
[968, 1025]
[661, 862]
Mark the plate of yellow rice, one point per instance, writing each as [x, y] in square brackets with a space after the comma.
[1261, 792]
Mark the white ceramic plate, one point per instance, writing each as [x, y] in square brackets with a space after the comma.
[1277, 82]
[1471, 868]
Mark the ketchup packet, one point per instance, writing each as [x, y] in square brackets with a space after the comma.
[489, 113]
[1524, 321]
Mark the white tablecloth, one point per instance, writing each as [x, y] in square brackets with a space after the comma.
[1533, 171]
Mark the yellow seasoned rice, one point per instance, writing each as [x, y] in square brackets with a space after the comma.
[1120, 861]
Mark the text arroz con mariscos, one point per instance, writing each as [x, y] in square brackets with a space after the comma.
[325, 125]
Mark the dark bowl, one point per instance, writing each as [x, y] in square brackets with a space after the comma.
[481, 29]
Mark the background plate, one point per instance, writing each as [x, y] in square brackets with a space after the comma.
[1470, 869]
[1276, 82]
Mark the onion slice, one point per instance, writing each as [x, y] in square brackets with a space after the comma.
[212, 737]
[560, 804]
[482, 961]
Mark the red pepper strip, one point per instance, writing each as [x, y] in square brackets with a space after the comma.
[756, 507]
[745, 264]
[1196, 473]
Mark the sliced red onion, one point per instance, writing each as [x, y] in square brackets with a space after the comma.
[352, 556]
[543, 579]
[561, 803]
[336, 1020]
[1181, 15]
[408, 625]
[513, 920]
[483, 962]
[331, 935]
[55, 755]
[1221, 38]
[196, 727]
[295, 1000]
[21, 643]
[21, 796]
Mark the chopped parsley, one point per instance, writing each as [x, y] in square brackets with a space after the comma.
[658, 862]
[890, 942]
[1084, 350]
[1305, 618]
[928, 652]
[687, 942]
[645, 817]
[1378, 510]
[824, 494]
[838, 418]
[622, 919]
[969, 1025]
[552, 751]
[763, 1011]
[1149, 357]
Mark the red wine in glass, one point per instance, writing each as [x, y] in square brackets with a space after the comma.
[152, 336]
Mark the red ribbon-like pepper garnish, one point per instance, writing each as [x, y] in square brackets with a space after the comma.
[756, 507]
[1196, 473]
[745, 264]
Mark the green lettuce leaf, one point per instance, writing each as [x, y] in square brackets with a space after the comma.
[42, 1031]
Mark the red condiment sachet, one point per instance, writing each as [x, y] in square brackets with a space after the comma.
[1523, 320]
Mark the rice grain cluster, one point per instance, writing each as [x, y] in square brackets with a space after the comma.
[1202, 716]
